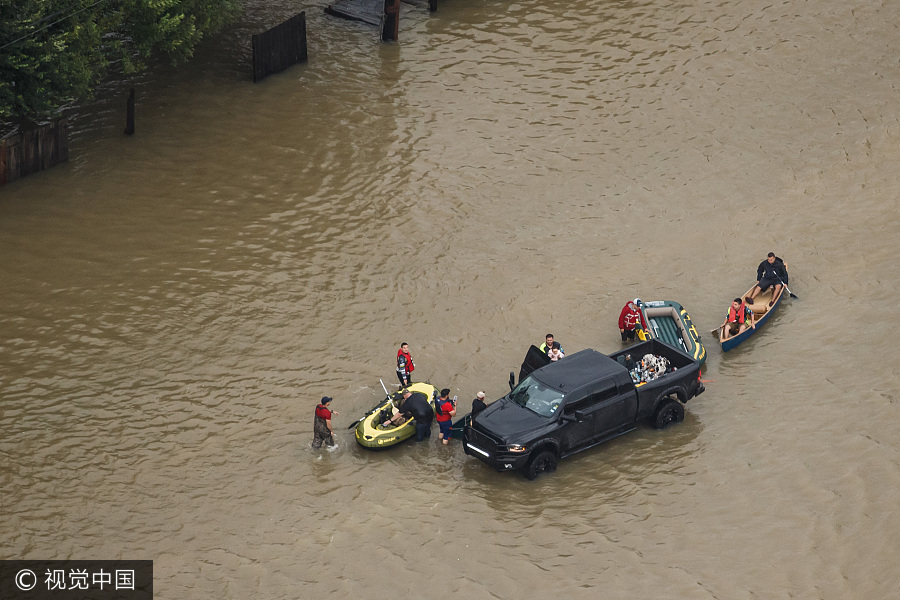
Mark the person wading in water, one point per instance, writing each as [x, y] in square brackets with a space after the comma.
[322, 431]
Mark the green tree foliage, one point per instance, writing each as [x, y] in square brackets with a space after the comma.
[53, 52]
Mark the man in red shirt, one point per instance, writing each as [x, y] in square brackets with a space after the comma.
[445, 411]
[322, 431]
[629, 319]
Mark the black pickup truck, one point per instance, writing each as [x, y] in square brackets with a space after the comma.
[570, 405]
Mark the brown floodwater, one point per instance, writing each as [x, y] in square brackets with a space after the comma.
[173, 304]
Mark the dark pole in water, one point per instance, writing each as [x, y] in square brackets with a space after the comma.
[129, 114]
[391, 30]
[432, 5]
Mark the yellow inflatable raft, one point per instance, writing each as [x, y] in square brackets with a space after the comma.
[371, 431]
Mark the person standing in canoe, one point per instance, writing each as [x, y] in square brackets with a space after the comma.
[322, 431]
[630, 317]
[736, 321]
[771, 272]
[405, 365]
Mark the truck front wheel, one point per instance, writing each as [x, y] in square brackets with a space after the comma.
[545, 460]
[670, 411]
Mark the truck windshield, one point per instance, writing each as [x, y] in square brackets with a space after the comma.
[536, 397]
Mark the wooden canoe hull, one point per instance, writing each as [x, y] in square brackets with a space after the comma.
[761, 313]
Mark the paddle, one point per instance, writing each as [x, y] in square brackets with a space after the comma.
[792, 294]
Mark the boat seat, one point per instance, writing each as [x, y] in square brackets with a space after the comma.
[759, 308]
[760, 304]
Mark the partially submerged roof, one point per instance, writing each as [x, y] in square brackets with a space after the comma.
[576, 370]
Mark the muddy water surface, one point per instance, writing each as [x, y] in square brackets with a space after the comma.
[174, 304]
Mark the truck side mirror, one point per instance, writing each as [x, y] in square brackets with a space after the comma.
[512, 380]
[573, 417]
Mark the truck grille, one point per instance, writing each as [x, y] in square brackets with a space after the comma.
[482, 440]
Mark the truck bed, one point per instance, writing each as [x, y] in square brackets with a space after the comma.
[681, 383]
[653, 346]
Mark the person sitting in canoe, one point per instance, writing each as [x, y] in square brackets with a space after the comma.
[738, 318]
[771, 272]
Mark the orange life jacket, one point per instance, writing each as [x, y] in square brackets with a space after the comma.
[737, 318]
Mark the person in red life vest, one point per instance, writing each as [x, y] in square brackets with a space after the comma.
[629, 319]
[405, 365]
[445, 410]
[738, 318]
[322, 431]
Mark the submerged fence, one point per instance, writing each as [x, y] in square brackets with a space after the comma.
[280, 47]
[34, 150]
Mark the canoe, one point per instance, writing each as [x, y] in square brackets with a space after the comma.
[372, 434]
[761, 313]
[669, 322]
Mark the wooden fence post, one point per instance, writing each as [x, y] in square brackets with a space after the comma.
[129, 113]
[4, 153]
[391, 30]
[13, 160]
[28, 152]
[62, 140]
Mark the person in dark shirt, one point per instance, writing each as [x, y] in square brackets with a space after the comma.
[478, 404]
[415, 405]
[770, 272]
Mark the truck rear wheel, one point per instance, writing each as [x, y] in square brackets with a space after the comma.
[670, 411]
[543, 461]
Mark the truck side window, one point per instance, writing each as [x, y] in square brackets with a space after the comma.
[579, 405]
[607, 391]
